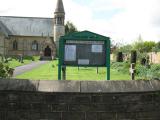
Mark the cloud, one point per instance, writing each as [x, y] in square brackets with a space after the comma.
[122, 20]
[136, 18]
[133, 17]
[29, 8]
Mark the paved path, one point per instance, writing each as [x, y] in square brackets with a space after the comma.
[21, 69]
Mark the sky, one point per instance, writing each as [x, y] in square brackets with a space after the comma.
[121, 20]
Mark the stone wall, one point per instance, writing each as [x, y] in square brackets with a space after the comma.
[2, 44]
[75, 100]
[25, 45]
[154, 57]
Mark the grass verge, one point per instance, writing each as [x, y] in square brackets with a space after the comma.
[49, 71]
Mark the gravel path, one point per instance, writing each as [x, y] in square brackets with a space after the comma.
[21, 69]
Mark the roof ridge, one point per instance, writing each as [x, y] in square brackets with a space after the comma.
[27, 26]
[26, 17]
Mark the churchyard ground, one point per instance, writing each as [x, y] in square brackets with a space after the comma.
[49, 71]
[13, 62]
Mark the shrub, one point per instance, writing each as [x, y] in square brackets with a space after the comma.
[5, 71]
[122, 67]
[149, 73]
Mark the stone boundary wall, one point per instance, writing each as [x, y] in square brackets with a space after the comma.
[154, 57]
[79, 100]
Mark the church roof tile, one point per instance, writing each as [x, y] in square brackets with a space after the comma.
[27, 26]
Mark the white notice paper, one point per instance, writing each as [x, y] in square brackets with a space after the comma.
[83, 62]
[70, 53]
[97, 48]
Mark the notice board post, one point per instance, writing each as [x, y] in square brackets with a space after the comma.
[83, 49]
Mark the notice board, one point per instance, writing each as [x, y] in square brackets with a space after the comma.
[84, 49]
[84, 53]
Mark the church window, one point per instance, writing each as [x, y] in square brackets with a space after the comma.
[15, 45]
[35, 45]
[59, 20]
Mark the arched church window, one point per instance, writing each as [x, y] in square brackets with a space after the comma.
[35, 45]
[60, 20]
[15, 45]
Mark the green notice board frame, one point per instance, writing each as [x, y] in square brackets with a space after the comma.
[88, 38]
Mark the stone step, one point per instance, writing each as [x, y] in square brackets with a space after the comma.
[45, 58]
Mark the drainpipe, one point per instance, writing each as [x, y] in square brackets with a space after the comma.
[4, 47]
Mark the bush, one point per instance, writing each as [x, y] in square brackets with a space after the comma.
[5, 71]
[149, 73]
[122, 67]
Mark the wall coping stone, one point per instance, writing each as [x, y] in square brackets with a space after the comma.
[79, 86]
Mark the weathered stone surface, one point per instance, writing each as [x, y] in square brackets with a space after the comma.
[74, 100]
[59, 86]
[29, 105]
[23, 85]
[4, 84]
[119, 86]
[80, 86]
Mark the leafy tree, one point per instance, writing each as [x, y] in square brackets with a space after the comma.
[158, 45]
[126, 48]
[156, 48]
[70, 27]
[148, 45]
[145, 46]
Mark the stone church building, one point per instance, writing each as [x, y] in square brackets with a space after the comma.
[32, 35]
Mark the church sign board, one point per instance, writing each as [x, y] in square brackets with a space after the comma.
[84, 49]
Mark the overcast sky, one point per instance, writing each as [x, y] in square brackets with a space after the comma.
[122, 20]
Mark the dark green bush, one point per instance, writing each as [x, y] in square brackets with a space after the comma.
[5, 71]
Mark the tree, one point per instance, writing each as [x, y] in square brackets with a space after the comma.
[70, 27]
[149, 45]
[157, 47]
[144, 46]
[126, 48]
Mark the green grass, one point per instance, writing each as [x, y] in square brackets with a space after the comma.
[49, 71]
[13, 62]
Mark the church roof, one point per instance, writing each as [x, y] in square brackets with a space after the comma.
[59, 6]
[26, 26]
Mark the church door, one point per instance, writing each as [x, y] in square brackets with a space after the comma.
[47, 51]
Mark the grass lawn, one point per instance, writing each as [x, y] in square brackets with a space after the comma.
[49, 71]
[15, 63]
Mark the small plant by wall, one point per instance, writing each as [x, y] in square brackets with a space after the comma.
[5, 70]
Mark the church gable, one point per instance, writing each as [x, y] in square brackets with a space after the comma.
[26, 26]
[33, 35]
[3, 29]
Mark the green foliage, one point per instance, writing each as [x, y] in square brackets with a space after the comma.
[126, 48]
[122, 67]
[157, 47]
[145, 46]
[70, 27]
[1, 58]
[5, 71]
[148, 73]
[141, 56]
[33, 58]
[14, 60]
[49, 71]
